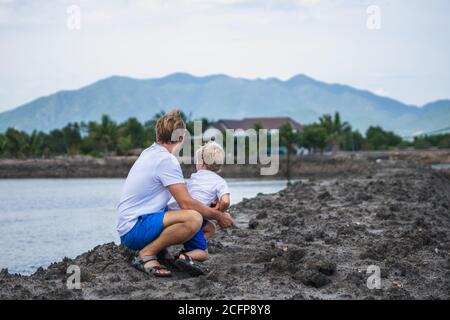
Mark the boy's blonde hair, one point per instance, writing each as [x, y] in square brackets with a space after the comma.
[167, 125]
[212, 155]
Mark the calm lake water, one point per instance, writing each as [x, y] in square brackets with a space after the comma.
[44, 220]
[441, 166]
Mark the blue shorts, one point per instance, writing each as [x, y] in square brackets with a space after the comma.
[198, 241]
[147, 228]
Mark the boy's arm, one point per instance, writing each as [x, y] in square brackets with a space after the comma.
[224, 202]
[185, 201]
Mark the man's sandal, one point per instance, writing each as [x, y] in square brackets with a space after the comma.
[187, 265]
[139, 263]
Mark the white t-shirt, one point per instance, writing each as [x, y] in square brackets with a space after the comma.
[205, 186]
[145, 189]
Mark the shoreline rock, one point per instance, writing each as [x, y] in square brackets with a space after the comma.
[312, 240]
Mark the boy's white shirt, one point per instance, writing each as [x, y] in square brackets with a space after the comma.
[205, 186]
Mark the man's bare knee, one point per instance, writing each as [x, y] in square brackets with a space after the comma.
[194, 220]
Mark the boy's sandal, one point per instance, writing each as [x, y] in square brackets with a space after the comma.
[139, 263]
[187, 265]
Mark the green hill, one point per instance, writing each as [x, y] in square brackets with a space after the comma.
[221, 96]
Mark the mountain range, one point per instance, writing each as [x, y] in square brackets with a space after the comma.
[224, 97]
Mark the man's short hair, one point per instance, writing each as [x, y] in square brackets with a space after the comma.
[169, 124]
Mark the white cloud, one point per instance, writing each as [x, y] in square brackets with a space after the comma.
[250, 38]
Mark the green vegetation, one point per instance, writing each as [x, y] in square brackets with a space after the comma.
[92, 138]
[110, 138]
[331, 134]
[441, 141]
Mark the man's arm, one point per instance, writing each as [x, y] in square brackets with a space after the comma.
[185, 201]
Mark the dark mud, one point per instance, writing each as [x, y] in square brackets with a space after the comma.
[313, 240]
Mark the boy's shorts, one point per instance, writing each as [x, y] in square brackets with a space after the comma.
[198, 241]
[147, 228]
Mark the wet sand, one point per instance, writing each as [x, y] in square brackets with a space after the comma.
[313, 240]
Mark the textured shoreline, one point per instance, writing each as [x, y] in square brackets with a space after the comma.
[118, 167]
[313, 240]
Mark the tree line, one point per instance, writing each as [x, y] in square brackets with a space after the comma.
[108, 137]
[332, 133]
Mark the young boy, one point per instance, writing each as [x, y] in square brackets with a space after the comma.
[209, 188]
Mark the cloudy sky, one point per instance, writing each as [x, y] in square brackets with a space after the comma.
[42, 51]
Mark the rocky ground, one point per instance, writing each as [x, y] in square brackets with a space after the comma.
[313, 240]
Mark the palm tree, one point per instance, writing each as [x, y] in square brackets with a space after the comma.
[334, 128]
[104, 134]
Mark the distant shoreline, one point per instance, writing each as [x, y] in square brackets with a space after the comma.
[118, 167]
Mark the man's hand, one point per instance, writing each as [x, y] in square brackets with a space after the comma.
[225, 220]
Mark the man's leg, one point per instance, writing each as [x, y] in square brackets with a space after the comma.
[179, 226]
